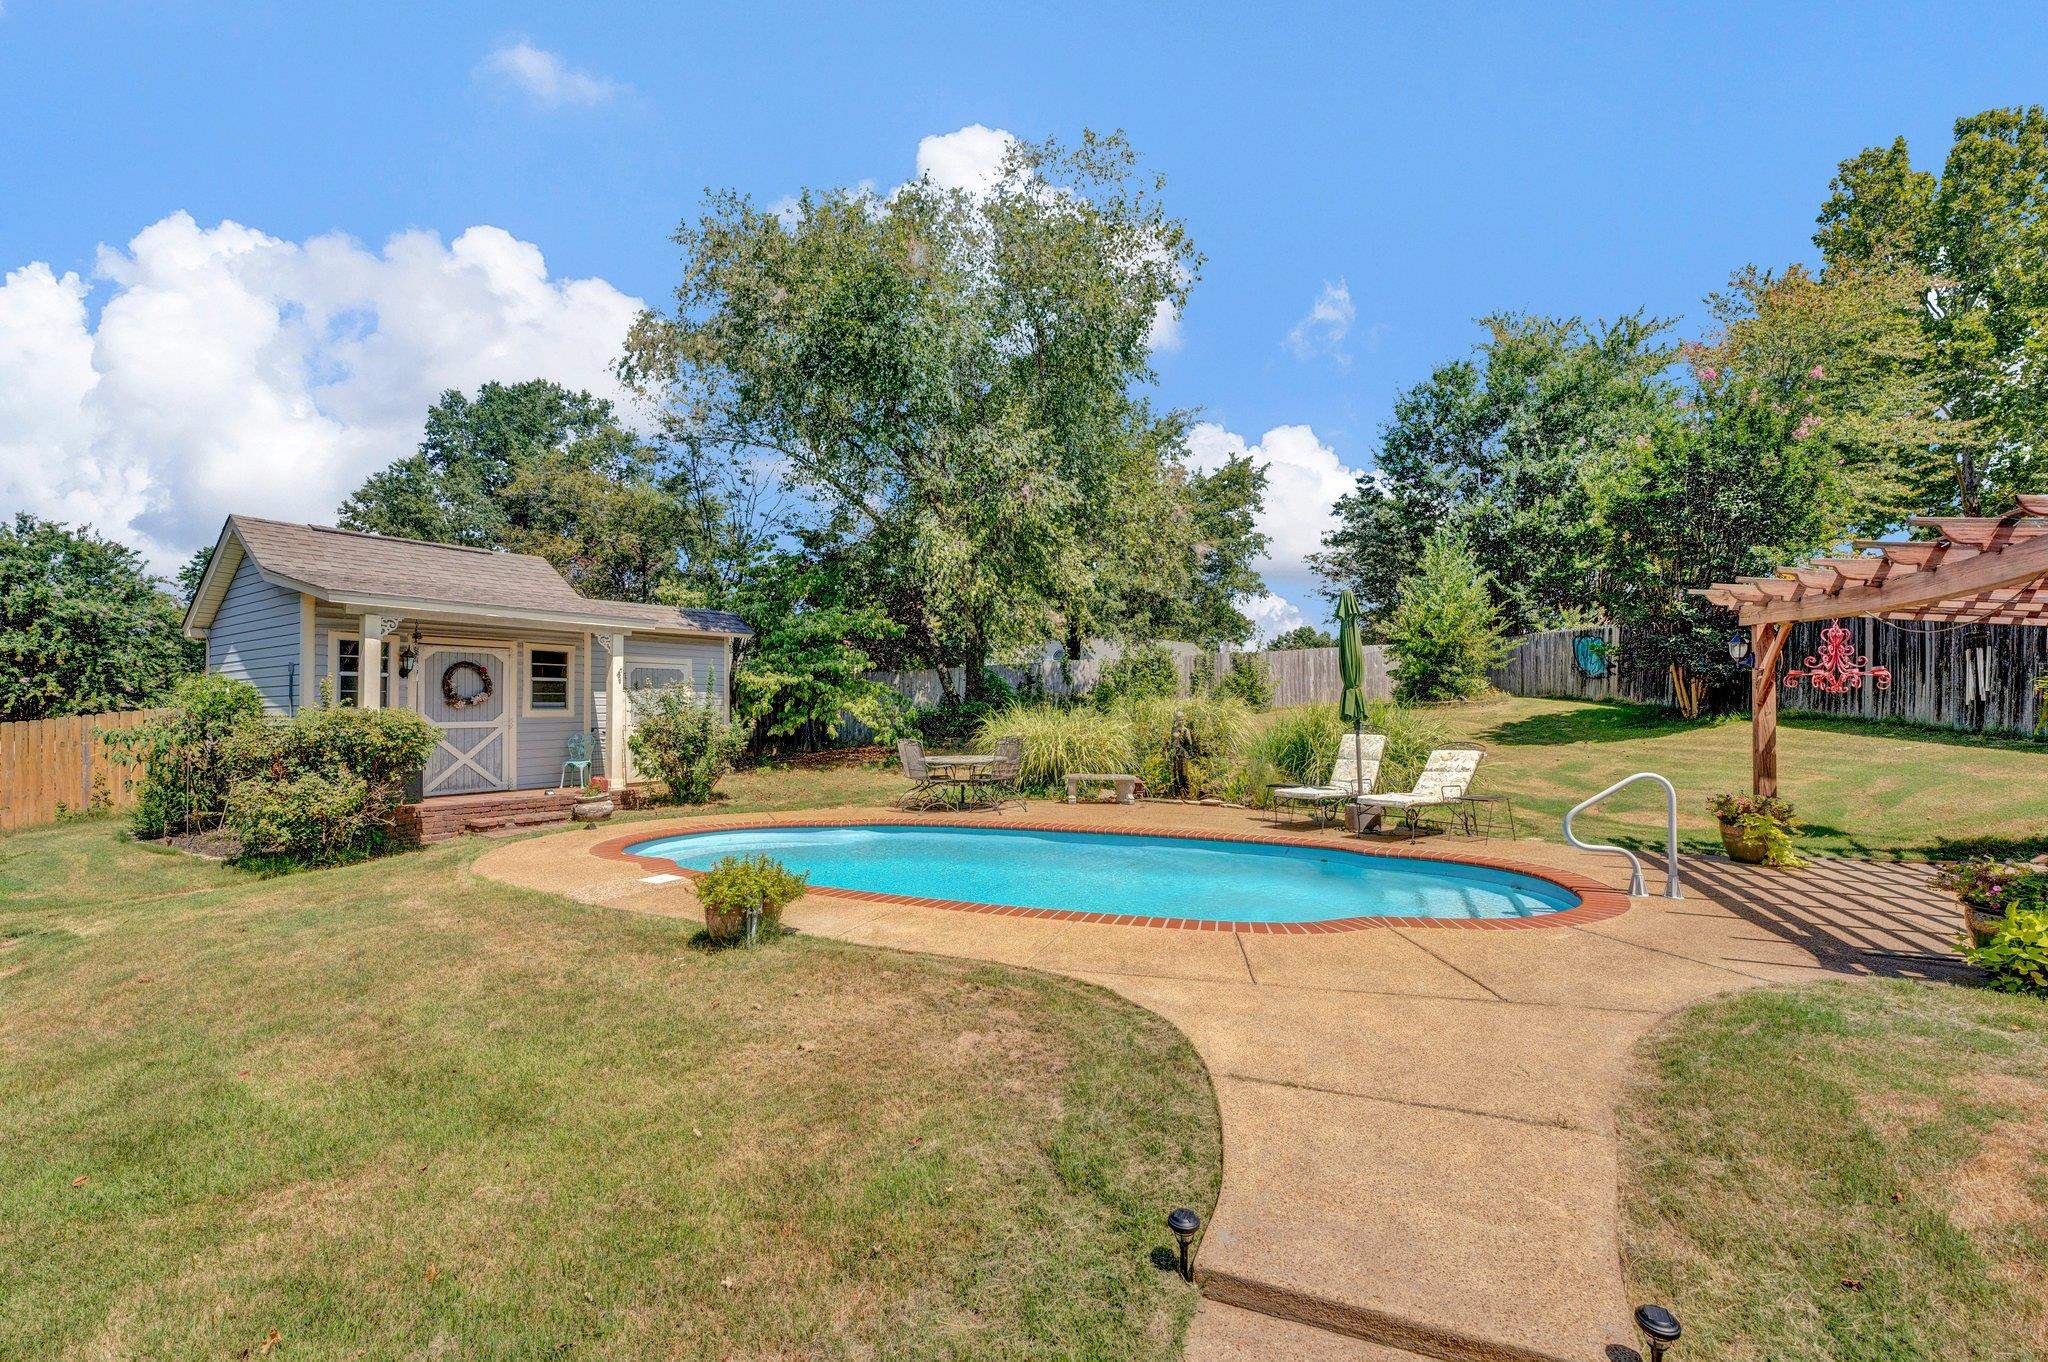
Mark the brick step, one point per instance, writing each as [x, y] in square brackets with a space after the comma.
[441, 817]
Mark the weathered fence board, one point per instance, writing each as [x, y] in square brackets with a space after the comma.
[1978, 677]
[1548, 664]
[49, 767]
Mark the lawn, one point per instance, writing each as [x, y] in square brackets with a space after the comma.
[1844, 1172]
[395, 1110]
[1860, 789]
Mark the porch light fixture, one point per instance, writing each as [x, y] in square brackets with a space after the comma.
[1184, 1222]
[1660, 1329]
[1738, 649]
[409, 654]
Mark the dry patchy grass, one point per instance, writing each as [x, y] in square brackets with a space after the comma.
[395, 1110]
[1851, 1172]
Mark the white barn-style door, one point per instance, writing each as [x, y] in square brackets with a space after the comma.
[475, 751]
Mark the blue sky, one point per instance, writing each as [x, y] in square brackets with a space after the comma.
[1409, 168]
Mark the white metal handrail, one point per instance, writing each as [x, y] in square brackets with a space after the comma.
[1635, 884]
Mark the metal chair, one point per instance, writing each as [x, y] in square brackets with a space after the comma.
[999, 778]
[924, 785]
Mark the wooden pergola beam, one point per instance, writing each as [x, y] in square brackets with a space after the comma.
[1961, 575]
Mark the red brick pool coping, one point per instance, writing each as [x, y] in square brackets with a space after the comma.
[1597, 902]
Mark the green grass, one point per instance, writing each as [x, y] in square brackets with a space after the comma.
[1844, 1173]
[1885, 790]
[397, 1111]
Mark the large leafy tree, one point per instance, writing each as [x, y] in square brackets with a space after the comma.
[950, 379]
[84, 627]
[1847, 348]
[1735, 483]
[1979, 234]
[537, 468]
[808, 667]
[1503, 450]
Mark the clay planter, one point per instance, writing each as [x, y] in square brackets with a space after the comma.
[729, 927]
[1748, 850]
[592, 810]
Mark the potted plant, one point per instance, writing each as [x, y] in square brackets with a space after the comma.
[1992, 891]
[592, 804]
[743, 896]
[1756, 829]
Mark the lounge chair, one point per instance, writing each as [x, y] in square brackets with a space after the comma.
[1356, 769]
[997, 782]
[1445, 778]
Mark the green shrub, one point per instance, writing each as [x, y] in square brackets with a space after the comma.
[324, 785]
[684, 743]
[1059, 739]
[186, 755]
[1145, 672]
[735, 884]
[1998, 886]
[1445, 634]
[1189, 746]
[1300, 745]
[1248, 680]
[2016, 956]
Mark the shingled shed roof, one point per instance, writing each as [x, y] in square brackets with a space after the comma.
[1977, 569]
[412, 576]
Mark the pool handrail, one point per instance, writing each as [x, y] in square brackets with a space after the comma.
[1635, 884]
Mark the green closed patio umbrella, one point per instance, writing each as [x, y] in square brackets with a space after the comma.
[1351, 670]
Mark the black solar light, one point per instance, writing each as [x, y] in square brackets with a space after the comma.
[1184, 1222]
[1659, 1326]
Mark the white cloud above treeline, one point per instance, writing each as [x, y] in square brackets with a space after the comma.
[545, 78]
[1321, 331]
[227, 370]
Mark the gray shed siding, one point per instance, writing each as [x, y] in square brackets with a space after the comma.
[255, 638]
[701, 660]
[540, 742]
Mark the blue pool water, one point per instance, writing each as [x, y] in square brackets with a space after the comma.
[1128, 875]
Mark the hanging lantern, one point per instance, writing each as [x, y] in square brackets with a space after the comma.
[1738, 649]
[1837, 667]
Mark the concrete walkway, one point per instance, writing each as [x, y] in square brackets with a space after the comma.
[1418, 1126]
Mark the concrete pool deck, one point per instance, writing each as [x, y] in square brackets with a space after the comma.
[1418, 1123]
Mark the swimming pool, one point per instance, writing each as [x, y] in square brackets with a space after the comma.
[1127, 875]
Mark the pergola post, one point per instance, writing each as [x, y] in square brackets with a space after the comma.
[1767, 641]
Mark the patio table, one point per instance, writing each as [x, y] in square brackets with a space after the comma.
[958, 767]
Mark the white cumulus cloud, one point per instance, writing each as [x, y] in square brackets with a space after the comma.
[228, 370]
[1270, 615]
[1321, 331]
[1304, 478]
[545, 78]
[970, 158]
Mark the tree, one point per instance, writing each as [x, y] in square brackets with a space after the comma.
[1445, 633]
[1302, 636]
[84, 627]
[1847, 347]
[1504, 450]
[806, 671]
[1726, 487]
[535, 468]
[1979, 233]
[949, 378]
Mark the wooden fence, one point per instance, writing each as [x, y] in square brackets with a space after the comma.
[50, 767]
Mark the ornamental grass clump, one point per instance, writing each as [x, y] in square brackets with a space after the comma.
[739, 887]
[1059, 739]
[1189, 747]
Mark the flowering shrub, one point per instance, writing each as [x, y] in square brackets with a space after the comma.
[2016, 956]
[684, 743]
[1998, 887]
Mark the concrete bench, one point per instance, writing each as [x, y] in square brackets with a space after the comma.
[1128, 788]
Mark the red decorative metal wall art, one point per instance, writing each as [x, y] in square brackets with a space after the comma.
[1837, 667]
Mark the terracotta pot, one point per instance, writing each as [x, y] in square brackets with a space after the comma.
[1749, 850]
[733, 926]
[591, 810]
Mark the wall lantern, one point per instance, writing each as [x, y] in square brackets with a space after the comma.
[409, 654]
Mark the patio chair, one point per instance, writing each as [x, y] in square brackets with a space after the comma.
[926, 788]
[1445, 778]
[997, 782]
[1356, 769]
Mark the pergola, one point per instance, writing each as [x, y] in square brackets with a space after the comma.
[1976, 570]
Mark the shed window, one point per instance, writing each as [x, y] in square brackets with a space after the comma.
[348, 673]
[547, 672]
